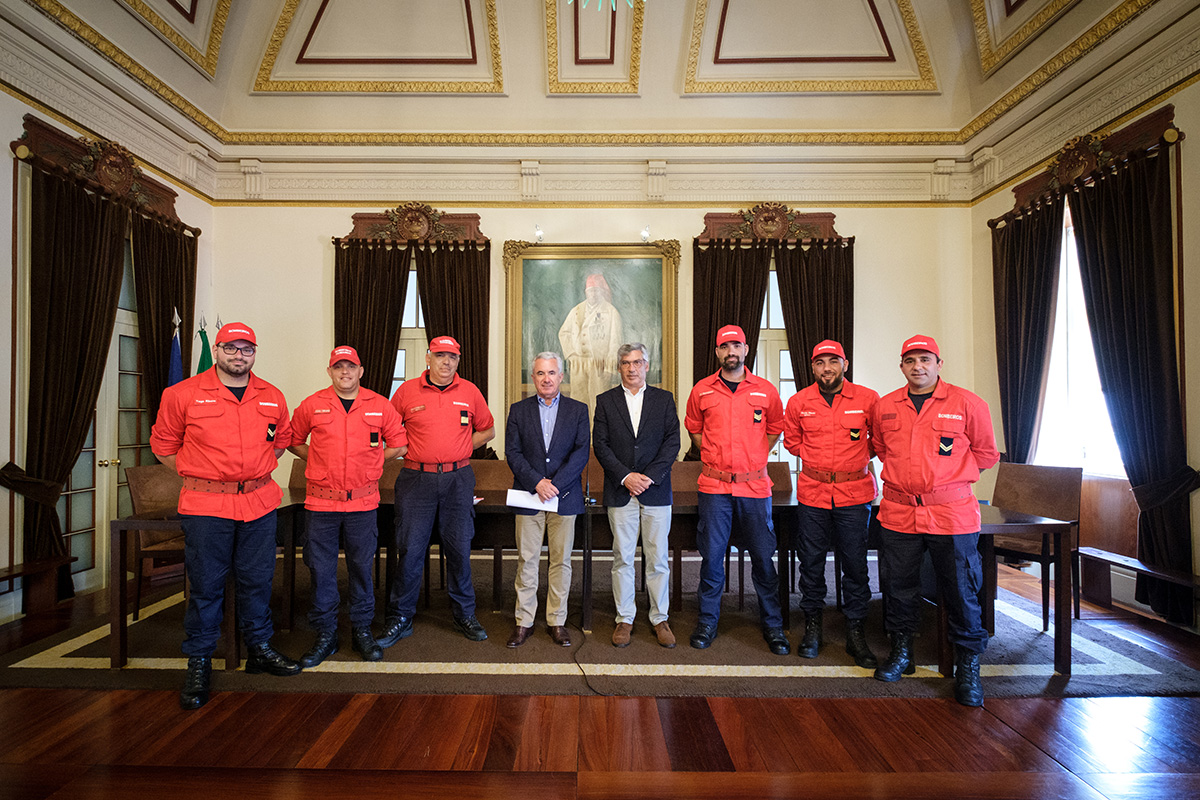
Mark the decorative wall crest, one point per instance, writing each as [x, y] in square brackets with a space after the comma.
[768, 221]
[417, 221]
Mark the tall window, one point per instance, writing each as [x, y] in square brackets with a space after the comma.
[1075, 429]
[413, 343]
[774, 360]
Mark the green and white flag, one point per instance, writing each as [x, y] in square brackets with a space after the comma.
[205, 353]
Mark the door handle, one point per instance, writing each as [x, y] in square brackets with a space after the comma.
[103, 463]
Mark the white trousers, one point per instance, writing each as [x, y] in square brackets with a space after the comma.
[655, 525]
[560, 534]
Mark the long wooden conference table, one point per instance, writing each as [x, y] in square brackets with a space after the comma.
[495, 531]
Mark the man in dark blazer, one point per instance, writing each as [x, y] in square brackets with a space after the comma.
[546, 444]
[637, 441]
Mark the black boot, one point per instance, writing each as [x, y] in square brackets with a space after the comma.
[264, 658]
[325, 646]
[857, 647]
[968, 686]
[195, 685]
[810, 645]
[899, 661]
[365, 645]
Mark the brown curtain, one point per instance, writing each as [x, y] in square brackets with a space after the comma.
[164, 276]
[454, 281]
[370, 280]
[816, 289]
[729, 287]
[1124, 235]
[1026, 254]
[76, 265]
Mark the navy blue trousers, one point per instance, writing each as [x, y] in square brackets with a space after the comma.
[212, 547]
[959, 571]
[423, 499]
[361, 536]
[753, 516]
[843, 527]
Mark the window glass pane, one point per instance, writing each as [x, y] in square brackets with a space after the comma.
[81, 511]
[410, 317]
[127, 360]
[128, 457]
[143, 426]
[785, 365]
[90, 441]
[128, 299]
[127, 427]
[83, 474]
[83, 549]
[401, 358]
[395, 386]
[127, 391]
[775, 304]
[61, 508]
[786, 390]
[147, 457]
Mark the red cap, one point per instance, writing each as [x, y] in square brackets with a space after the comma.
[235, 332]
[730, 333]
[828, 348]
[597, 279]
[920, 342]
[444, 344]
[344, 353]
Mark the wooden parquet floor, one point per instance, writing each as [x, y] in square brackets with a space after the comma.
[84, 744]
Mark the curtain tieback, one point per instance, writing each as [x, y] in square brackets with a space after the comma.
[38, 490]
[1183, 482]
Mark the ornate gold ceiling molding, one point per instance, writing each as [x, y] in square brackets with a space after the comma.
[925, 83]
[92, 38]
[206, 61]
[557, 86]
[1096, 35]
[1101, 31]
[993, 54]
[264, 83]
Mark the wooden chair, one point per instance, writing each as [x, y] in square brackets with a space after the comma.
[1047, 492]
[154, 489]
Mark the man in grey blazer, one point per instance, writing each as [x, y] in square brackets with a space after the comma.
[636, 441]
[546, 444]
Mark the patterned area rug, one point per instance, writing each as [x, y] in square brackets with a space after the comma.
[436, 659]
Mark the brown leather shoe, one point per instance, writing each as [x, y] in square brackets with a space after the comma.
[621, 634]
[519, 635]
[559, 634]
[662, 631]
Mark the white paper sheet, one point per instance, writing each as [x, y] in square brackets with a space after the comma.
[519, 499]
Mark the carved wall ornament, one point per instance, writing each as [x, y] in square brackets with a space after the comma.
[769, 220]
[417, 221]
[1081, 156]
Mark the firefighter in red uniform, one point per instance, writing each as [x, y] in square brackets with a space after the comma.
[734, 419]
[828, 425]
[446, 418]
[223, 431]
[933, 439]
[354, 430]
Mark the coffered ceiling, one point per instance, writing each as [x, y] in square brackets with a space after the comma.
[831, 77]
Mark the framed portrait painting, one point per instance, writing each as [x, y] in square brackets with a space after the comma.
[584, 301]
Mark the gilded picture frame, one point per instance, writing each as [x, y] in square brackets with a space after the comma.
[583, 301]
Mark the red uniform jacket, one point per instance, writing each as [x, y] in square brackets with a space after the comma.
[216, 437]
[346, 453]
[833, 438]
[440, 422]
[736, 429]
[941, 449]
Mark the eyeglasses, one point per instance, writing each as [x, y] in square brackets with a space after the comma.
[233, 349]
[637, 363]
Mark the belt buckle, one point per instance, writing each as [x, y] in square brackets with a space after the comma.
[241, 485]
[439, 467]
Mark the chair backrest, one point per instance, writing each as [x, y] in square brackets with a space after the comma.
[391, 471]
[491, 474]
[296, 479]
[153, 488]
[780, 473]
[684, 476]
[1045, 491]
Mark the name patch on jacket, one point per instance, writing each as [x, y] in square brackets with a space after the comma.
[946, 446]
[271, 432]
